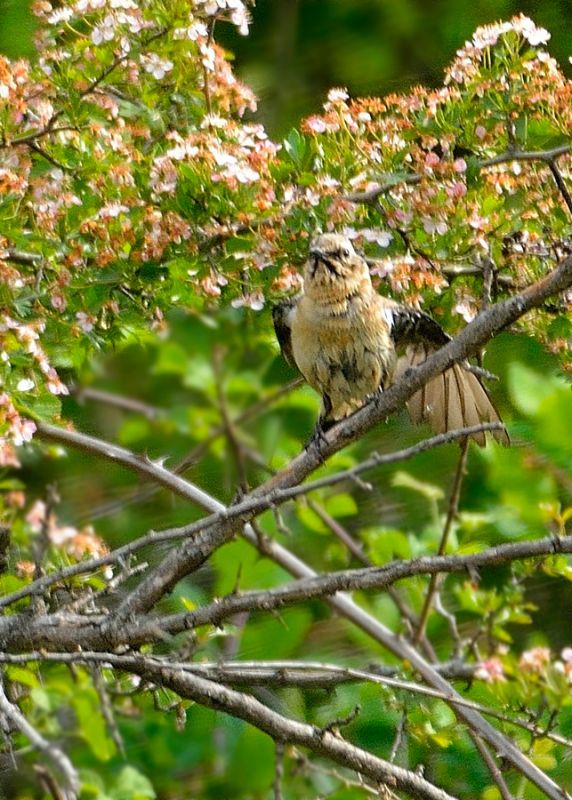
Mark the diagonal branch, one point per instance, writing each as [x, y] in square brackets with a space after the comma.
[285, 730]
[495, 318]
[174, 567]
[189, 491]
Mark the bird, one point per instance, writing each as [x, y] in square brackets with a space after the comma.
[350, 342]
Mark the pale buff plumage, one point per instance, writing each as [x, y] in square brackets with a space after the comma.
[342, 336]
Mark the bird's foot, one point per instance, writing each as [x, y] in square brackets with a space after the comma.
[318, 438]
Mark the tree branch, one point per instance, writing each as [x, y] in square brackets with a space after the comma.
[282, 729]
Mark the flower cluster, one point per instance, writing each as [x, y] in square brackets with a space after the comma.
[137, 182]
[76, 543]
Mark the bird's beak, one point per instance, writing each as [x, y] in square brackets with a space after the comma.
[317, 255]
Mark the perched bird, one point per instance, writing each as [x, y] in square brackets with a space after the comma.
[349, 342]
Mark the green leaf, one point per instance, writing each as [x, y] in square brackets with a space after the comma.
[132, 785]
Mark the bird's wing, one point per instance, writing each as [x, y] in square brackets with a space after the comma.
[282, 315]
[409, 326]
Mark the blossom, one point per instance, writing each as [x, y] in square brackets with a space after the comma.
[36, 516]
[315, 124]
[156, 66]
[535, 660]
[253, 300]
[490, 670]
[104, 32]
[338, 95]
[534, 35]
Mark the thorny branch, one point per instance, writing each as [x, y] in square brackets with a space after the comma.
[285, 730]
[301, 674]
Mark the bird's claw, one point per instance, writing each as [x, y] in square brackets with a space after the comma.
[318, 438]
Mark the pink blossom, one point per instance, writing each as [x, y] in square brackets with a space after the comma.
[316, 124]
[434, 226]
[22, 430]
[491, 670]
[535, 660]
[36, 516]
[457, 190]
[431, 160]
[85, 321]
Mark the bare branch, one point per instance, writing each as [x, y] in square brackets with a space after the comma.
[190, 492]
[493, 768]
[283, 729]
[301, 674]
[18, 630]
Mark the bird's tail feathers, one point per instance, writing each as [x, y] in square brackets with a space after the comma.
[454, 399]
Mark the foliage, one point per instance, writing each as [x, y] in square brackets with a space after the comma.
[147, 225]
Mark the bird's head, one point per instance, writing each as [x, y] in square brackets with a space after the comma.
[333, 267]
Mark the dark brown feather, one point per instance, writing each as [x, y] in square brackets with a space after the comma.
[280, 316]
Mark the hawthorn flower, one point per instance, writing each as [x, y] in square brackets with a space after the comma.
[488, 35]
[85, 6]
[338, 95]
[491, 670]
[60, 15]
[315, 125]
[25, 569]
[104, 32]
[85, 321]
[198, 30]
[22, 430]
[25, 385]
[535, 660]
[36, 516]
[526, 27]
[156, 66]
[253, 300]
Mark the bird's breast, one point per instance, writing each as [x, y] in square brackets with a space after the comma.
[344, 355]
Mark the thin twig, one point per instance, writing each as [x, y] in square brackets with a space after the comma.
[493, 768]
[451, 514]
[398, 736]
[106, 708]
[302, 674]
[560, 182]
[139, 495]
[278, 770]
[281, 728]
